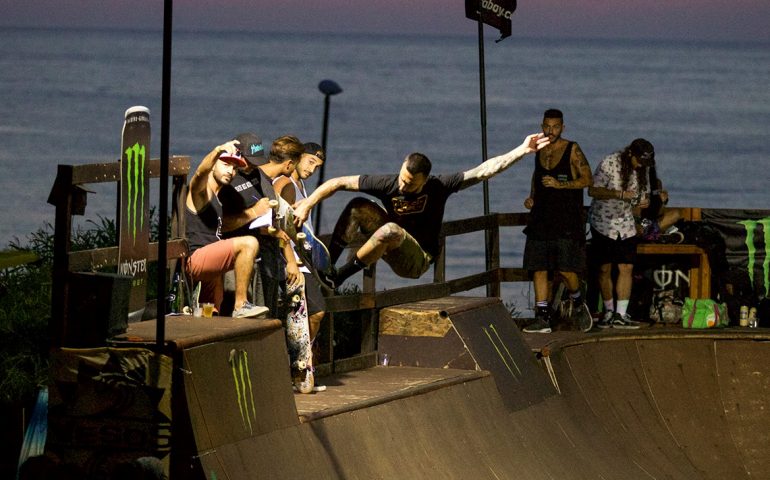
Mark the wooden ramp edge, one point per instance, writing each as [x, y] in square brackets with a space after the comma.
[651, 404]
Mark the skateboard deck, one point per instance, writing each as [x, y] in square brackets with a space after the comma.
[298, 340]
[134, 210]
[310, 249]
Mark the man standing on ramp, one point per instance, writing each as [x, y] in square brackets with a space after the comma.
[556, 240]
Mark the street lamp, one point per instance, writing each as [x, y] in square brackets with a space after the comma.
[328, 88]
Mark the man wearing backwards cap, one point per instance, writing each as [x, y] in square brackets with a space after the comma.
[621, 183]
[405, 233]
[292, 189]
[212, 256]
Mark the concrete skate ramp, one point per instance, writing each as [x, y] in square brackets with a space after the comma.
[647, 405]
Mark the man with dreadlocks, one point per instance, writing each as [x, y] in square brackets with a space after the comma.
[621, 183]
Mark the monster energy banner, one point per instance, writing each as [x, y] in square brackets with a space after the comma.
[495, 13]
[747, 237]
[134, 211]
[107, 408]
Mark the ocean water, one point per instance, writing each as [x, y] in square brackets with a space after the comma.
[705, 107]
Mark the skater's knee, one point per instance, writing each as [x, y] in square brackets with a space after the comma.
[390, 234]
[247, 245]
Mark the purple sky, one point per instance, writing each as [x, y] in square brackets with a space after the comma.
[671, 19]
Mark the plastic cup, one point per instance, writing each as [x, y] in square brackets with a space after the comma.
[208, 310]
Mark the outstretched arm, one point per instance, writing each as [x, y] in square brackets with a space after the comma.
[197, 194]
[495, 165]
[327, 189]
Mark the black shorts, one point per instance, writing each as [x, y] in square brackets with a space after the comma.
[315, 299]
[562, 255]
[606, 250]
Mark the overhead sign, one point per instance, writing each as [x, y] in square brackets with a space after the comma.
[495, 13]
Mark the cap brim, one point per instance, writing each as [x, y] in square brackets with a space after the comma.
[236, 160]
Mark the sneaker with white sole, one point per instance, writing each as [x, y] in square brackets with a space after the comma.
[247, 310]
[624, 322]
[542, 323]
[606, 320]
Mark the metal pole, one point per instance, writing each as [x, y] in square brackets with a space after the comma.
[317, 219]
[328, 88]
[483, 106]
[160, 334]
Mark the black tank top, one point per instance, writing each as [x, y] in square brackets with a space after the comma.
[204, 227]
[557, 212]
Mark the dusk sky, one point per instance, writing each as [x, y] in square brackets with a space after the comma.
[672, 19]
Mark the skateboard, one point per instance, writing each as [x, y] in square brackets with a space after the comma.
[298, 341]
[134, 211]
[310, 249]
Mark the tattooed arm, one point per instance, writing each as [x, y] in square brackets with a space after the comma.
[327, 189]
[495, 165]
[581, 171]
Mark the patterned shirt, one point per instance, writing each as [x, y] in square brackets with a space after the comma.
[614, 218]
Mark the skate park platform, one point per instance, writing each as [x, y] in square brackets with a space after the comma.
[466, 395]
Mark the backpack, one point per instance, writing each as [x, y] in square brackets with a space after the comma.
[666, 307]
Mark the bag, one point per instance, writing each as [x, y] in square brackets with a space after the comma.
[703, 313]
[666, 307]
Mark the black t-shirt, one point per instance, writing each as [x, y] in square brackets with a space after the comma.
[419, 214]
[244, 191]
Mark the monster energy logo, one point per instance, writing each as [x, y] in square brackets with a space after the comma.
[239, 362]
[500, 347]
[751, 226]
[135, 159]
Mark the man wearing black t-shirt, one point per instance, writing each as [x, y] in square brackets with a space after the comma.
[405, 232]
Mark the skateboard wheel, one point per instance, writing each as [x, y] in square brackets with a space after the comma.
[273, 203]
[295, 299]
[301, 236]
[272, 230]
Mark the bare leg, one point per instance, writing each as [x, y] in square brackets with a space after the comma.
[314, 322]
[669, 217]
[246, 249]
[360, 217]
[540, 281]
[388, 237]
[571, 280]
[623, 284]
[605, 281]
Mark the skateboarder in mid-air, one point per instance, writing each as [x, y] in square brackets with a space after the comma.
[405, 233]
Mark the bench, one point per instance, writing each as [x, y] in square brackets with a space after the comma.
[700, 268]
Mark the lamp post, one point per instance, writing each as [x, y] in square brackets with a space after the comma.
[328, 88]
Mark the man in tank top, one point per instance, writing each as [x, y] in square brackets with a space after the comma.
[556, 226]
[211, 256]
[292, 189]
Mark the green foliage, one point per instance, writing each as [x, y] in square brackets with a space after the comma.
[25, 304]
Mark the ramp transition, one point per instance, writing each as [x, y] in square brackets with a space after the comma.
[654, 404]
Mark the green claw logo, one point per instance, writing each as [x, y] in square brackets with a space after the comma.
[239, 362]
[500, 346]
[135, 157]
[751, 226]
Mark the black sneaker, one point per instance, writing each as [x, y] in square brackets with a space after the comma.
[580, 316]
[606, 320]
[328, 278]
[624, 322]
[542, 323]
